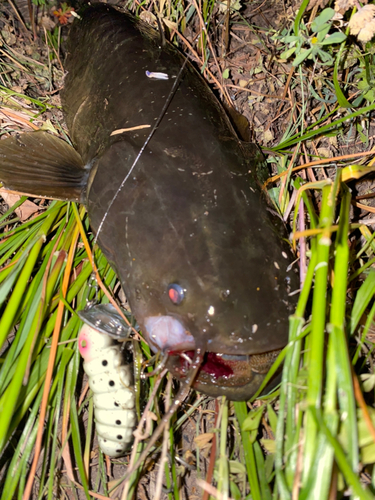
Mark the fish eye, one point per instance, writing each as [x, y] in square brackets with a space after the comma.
[176, 293]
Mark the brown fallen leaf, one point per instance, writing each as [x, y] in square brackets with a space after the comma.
[189, 457]
[343, 5]
[203, 439]
[26, 210]
[318, 3]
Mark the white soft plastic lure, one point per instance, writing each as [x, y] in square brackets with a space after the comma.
[110, 380]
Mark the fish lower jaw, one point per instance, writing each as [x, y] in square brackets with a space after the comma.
[237, 377]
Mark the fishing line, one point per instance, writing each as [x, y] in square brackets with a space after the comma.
[176, 403]
[157, 123]
[199, 353]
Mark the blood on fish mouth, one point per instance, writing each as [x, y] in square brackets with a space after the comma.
[218, 370]
[212, 364]
[167, 334]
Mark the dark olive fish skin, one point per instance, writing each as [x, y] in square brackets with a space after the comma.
[190, 212]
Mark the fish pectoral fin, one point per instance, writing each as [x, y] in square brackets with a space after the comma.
[41, 164]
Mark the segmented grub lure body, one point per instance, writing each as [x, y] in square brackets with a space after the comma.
[110, 379]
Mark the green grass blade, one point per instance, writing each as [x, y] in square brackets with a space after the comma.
[241, 414]
[316, 345]
[351, 477]
[363, 297]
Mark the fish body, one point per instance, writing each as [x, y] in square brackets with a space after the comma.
[201, 256]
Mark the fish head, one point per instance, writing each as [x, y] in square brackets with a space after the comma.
[240, 329]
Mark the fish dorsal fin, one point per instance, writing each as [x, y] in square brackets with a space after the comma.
[41, 164]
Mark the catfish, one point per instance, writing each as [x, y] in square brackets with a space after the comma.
[173, 198]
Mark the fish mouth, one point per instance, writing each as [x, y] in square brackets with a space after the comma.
[236, 376]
